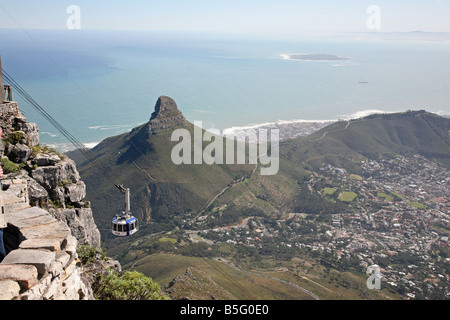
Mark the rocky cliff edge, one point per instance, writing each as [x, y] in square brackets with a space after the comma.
[47, 215]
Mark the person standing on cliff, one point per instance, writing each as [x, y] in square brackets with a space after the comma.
[2, 215]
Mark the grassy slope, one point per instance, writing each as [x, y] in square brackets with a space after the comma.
[163, 268]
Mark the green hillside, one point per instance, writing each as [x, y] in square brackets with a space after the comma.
[345, 143]
[166, 195]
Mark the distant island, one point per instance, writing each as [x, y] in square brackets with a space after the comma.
[313, 57]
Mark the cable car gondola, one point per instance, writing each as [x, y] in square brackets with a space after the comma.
[125, 224]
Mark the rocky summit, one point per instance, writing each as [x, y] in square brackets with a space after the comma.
[166, 115]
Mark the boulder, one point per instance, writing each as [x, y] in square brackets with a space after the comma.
[44, 159]
[36, 193]
[31, 133]
[19, 153]
[75, 192]
[50, 177]
[57, 194]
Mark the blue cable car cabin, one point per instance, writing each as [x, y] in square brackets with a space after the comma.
[124, 225]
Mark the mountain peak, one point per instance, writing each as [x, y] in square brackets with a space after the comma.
[166, 115]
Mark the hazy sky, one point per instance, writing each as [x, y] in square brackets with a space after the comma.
[281, 17]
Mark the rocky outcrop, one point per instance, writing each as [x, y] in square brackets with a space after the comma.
[42, 261]
[60, 179]
[18, 152]
[12, 119]
[53, 176]
[80, 222]
[53, 181]
[166, 115]
[47, 217]
[31, 133]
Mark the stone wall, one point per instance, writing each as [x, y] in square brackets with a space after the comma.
[44, 264]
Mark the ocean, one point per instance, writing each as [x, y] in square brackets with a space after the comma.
[103, 83]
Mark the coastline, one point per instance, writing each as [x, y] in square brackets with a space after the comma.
[275, 124]
[355, 115]
[288, 128]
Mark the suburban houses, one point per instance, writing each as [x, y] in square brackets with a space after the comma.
[399, 220]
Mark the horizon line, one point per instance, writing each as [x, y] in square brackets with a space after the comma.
[222, 31]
